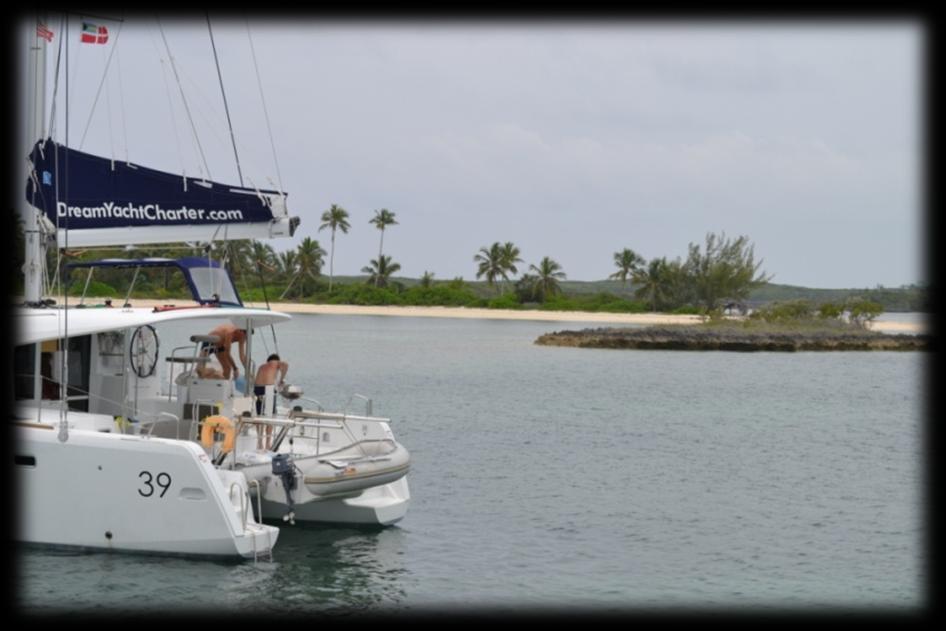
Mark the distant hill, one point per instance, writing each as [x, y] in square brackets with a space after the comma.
[908, 298]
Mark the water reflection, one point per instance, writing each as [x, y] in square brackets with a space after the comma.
[324, 568]
[314, 568]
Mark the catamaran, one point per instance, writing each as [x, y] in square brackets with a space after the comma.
[124, 444]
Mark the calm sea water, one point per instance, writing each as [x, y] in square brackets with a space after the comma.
[579, 479]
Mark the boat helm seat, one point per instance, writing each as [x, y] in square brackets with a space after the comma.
[212, 339]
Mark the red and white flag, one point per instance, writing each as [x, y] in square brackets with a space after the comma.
[44, 32]
[93, 33]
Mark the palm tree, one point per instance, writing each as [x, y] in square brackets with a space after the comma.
[381, 219]
[287, 269]
[549, 273]
[287, 264]
[335, 218]
[654, 283]
[308, 263]
[380, 270]
[427, 279]
[491, 263]
[239, 257]
[263, 256]
[627, 261]
[510, 256]
[526, 287]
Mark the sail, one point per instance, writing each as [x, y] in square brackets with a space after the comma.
[105, 202]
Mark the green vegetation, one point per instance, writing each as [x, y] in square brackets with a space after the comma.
[720, 275]
[597, 302]
[854, 312]
[96, 289]
[724, 271]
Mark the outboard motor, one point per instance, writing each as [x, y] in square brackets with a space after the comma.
[286, 470]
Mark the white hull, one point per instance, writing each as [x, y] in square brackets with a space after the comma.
[131, 493]
[364, 483]
[378, 505]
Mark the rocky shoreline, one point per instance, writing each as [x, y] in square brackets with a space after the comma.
[697, 338]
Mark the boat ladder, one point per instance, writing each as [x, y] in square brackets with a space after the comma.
[245, 508]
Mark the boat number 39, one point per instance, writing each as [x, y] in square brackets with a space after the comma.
[148, 482]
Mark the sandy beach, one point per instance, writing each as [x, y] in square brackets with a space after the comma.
[502, 314]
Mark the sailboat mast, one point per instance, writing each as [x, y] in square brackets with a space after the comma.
[35, 243]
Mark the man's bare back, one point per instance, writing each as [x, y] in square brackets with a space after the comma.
[266, 375]
[228, 334]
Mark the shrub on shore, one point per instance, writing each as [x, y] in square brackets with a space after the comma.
[96, 289]
[359, 294]
[505, 301]
[599, 302]
[855, 313]
[439, 295]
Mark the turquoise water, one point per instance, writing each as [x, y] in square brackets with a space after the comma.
[579, 479]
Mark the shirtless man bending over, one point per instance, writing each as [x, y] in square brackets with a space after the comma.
[266, 376]
[228, 334]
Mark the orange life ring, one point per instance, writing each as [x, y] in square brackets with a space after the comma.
[221, 424]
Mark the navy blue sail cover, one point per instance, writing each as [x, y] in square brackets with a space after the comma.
[102, 193]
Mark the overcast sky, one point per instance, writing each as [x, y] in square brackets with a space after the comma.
[571, 139]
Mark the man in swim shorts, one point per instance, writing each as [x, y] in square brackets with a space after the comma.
[266, 376]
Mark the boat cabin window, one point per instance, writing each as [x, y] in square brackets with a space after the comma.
[50, 367]
[210, 281]
[111, 352]
[48, 373]
[24, 371]
[80, 358]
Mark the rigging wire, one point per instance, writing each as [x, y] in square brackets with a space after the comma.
[272, 145]
[75, 62]
[108, 116]
[262, 284]
[259, 83]
[49, 284]
[52, 113]
[167, 92]
[101, 83]
[184, 99]
[206, 111]
[121, 96]
[226, 107]
[63, 435]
